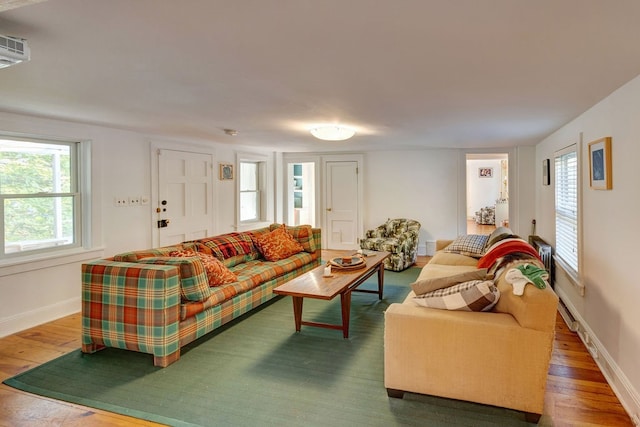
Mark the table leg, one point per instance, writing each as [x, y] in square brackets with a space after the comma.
[380, 280]
[297, 311]
[345, 302]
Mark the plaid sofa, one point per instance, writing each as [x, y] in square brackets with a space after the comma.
[130, 302]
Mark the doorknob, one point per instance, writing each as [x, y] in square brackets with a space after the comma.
[328, 209]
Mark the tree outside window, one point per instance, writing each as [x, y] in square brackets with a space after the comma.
[40, 200]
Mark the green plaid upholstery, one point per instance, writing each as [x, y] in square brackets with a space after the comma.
[136, 306]
[206, 321]
[250, 275]
[194, 285]
[131, 306]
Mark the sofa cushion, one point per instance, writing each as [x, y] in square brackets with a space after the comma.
[423, 286]
[448, 258]
[278, 244]
[474, 295]
[472, 245]
[194, 285]
[217, 273]
[231, 249]
[302, 233]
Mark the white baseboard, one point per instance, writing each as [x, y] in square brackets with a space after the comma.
[620, 384]
[29, 319]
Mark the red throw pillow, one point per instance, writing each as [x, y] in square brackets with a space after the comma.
[217, 273]
[278, 244]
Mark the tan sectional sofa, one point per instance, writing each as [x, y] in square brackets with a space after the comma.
[499, 358]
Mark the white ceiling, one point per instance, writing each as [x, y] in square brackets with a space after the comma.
[404, 73]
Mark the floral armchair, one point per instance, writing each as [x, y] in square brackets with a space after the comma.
[398, 236]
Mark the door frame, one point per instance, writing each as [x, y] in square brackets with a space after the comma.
[359, 159]
[155, 148]
[513, 186]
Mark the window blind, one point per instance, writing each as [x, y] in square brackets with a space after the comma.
[566, 173]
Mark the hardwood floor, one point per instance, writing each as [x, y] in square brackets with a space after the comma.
[577, 393]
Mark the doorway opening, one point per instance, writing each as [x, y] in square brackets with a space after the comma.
[301, 190]
[487, 192]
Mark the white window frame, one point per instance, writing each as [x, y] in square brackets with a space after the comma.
[261, 162]
[567, 211]
[80, 184]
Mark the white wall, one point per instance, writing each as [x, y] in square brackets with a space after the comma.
[36, 292]
[419, 184]
[608, 311]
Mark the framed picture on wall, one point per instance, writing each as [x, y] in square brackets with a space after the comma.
[600, 164]
[485, 172]
[546, 178]
[226, 171]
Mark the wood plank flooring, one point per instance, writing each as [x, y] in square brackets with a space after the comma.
[577, 393]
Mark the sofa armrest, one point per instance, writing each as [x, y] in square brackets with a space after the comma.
[131, 306]
[441, 244]
[535, 309]
[481, 357]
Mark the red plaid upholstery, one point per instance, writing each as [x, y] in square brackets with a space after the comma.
[136, 306]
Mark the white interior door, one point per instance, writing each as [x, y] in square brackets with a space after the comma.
[341, 205]
[185, 196]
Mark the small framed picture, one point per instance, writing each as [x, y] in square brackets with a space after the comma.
[546, 178]
[600, 164]
[485, 172]
[226, 171]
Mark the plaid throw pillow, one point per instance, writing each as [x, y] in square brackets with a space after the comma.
[474, 295]
[194, 285]
[217, 273]
[302, 233]
[470, 245]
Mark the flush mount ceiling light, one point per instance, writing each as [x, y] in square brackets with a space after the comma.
[231, 132]
[332, 132]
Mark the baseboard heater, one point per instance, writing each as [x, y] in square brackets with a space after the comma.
[546, 254]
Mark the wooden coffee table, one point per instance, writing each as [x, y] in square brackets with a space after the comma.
[313, 284]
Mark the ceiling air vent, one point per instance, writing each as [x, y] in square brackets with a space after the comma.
[13, 51]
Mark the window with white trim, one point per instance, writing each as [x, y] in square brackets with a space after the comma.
[40, 201]
[251, 184]
[566, 189]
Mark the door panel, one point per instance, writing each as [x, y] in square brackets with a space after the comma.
[341, 204]
[185, 183]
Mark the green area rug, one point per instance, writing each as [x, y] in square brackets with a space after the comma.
[257, 371]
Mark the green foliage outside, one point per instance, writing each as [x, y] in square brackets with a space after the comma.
[29, 173]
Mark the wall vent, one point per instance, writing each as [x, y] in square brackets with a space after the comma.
[13, 50]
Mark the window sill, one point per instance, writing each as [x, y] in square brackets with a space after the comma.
[571, 275]
[40, 261]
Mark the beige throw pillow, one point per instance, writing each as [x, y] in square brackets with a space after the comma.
[423, 286]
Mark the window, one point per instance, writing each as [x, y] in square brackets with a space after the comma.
[566, 167]
[39, 195]
[252, 177]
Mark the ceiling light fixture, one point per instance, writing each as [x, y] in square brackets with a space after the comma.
[231, 132]
[332, 132]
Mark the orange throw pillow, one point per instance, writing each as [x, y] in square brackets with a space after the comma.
[217, 273]
[278, 244]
